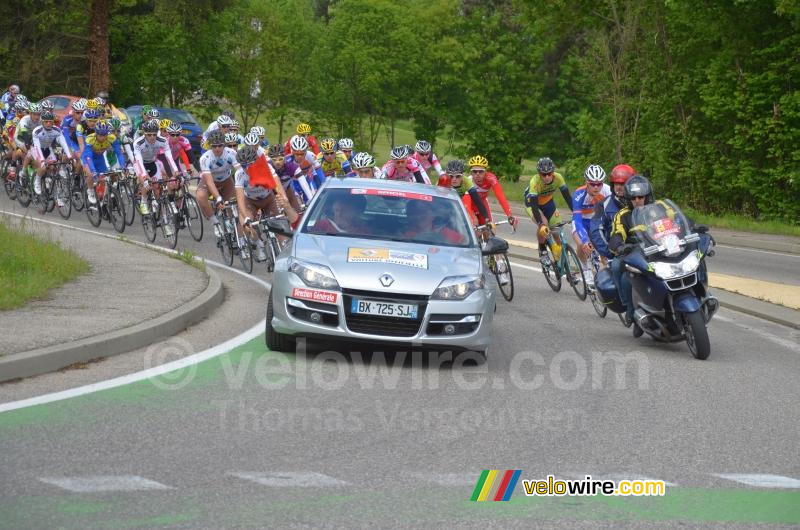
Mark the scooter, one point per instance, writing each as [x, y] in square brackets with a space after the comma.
[668, 276]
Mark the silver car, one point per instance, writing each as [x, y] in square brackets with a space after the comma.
[383, 262]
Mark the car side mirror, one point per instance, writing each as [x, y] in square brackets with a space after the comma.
[280, 227]
[495, 245]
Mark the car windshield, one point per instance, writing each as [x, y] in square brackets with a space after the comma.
[410, 217]
[660, 221]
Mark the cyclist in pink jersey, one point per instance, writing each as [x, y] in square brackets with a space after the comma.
[401, 167]
[423, 153]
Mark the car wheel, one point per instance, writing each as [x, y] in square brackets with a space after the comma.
[277, 341]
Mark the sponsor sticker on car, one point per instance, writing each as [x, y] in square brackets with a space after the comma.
[385, 255]
[392, 193]
[314, 295]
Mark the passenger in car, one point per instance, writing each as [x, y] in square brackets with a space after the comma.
[343, 215]
[423, 224]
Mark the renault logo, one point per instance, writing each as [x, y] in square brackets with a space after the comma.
[386, 280]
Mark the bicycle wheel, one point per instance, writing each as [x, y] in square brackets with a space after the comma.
[39, 200]
[193, 217]
[10, 185]
[550, 271]
[23, 190]
[226, 244]
[505, 279]
[574, 273]
[77, 191]
[93, 211]
[128, 202]
[149, 224]
[599, 308]
[49, 193]
[168, 225]
[116, 210]
[246, 254]
[61, 193]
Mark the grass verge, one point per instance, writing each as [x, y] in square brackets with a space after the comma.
[31, 266]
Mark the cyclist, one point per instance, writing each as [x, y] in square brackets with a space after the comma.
[235, 129]
[308, 164]
[148, 150]
[540, 202]
[303, 130]
[147, 114]
[23, 133]
[346, 146]
[251, 199]
[9, 134]
[216, 166]
[222, 123]
[46, 104]
[423, 153]
[486, 181]
[8, 101]
[401, 167]
[94, 163]
[86, 126]
[333, 162]
[180, 148]
[287, 172]
[605, 210]
[45, 136]
[583, 202]
[364, 165]
[261, 132]
[454, 178]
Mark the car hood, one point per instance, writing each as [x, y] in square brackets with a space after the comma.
[348, 258]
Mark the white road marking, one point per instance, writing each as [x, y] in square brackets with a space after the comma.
[196, 358]
[291, 479]
[97, 483]
[789, 344]
[761, 480]
[761, 251]
[616, 477]
[448, 479]
[528, 267]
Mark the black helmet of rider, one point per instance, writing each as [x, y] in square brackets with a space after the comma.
[455, 167]
[247, 154]
[638, 186]
[545, 165]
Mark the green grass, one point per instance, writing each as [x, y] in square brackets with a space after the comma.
[31, 266]
[743, 224]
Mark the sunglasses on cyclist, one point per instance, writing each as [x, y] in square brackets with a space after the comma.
[477, 171]
[546, 174]
[150, 135]
[637, 198]
[595, 184]
[328, 153]
[215, 146]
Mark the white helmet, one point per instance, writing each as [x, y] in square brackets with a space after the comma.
[222, 119]
[594, 173]
[362, 160]
[346, 143]
[298, 143]
[251, 138]
[258, 130]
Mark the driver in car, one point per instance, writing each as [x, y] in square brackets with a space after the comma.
[423, 224]
[343, 216]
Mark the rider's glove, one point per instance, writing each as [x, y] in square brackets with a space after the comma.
[247, 221]
[218, 201]
[513, 221]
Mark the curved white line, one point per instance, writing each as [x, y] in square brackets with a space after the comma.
[196, 358]
[786, 254]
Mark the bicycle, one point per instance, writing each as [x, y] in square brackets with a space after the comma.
[10, 184]
[189, 214]
[498, 263]
[108, 204]
[232, 242]
[271, 241]
[598, 305]
[563, 261]
[163, 213]
[55, 189]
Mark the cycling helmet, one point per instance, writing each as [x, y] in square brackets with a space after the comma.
[79, 105]
[103, 94]
[47, 115]
[145, 109]
[13, 89]
[22, 97]
[224, 120]
[234, 124]
[153, 113]
[422, 147]
[100, 102]
[594, 173]
[621, 173]
[92, 104]
[362, 160]
[638, 186]
[304, 128]
[115, 123]
[102, 128]
[258, 130]
[455, 167]
[231, 138]
[275, 151]
[545, 165]
[150, 126]
[216, 137]
[247, 155]
[174, 128]
[346, 143]
[21, 106]
[298, 143]
[398, 153]
[163, 124]
[34, 108]
[478, 161]
[252, 138]
[46, 104]
[328, 145]
[91, 114]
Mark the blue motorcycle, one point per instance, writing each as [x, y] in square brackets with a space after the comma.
[669, 279]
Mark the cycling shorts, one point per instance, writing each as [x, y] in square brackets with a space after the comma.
[549, 210]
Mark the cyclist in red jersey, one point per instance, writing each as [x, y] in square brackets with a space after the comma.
[486, 181]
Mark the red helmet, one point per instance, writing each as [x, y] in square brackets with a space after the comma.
[621, 173]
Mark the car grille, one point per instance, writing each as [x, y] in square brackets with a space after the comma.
[385, 326]
[682, 283]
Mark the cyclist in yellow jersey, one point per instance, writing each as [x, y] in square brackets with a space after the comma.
[334, 163]
[540, 203]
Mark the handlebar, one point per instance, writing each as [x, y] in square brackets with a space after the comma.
[489, 226]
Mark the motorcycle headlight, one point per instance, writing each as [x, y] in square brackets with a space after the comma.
[314, 275]
[667, 271]
[458, 287]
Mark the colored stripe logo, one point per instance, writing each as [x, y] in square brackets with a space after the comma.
[494, 485]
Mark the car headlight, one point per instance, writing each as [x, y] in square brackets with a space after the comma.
[667, 271]
[314, 275]
[458, 287]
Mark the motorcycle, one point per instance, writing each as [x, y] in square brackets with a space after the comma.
[668, 276]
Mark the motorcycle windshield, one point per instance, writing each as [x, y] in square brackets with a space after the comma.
[660, 223]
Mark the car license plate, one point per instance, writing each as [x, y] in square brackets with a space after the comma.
[383, 309]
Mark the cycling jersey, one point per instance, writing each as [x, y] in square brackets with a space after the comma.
[543, 193]
[602, 222]
[489, 183]
[338, 166]
[242, 180]
[94, 149]
[25, 125]
[583, 209]
[310, 167]
[69, 130]
[428, 161]
[146, 154]
[219, 167]
[46, 138]
[411, 172]
[82, 130]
